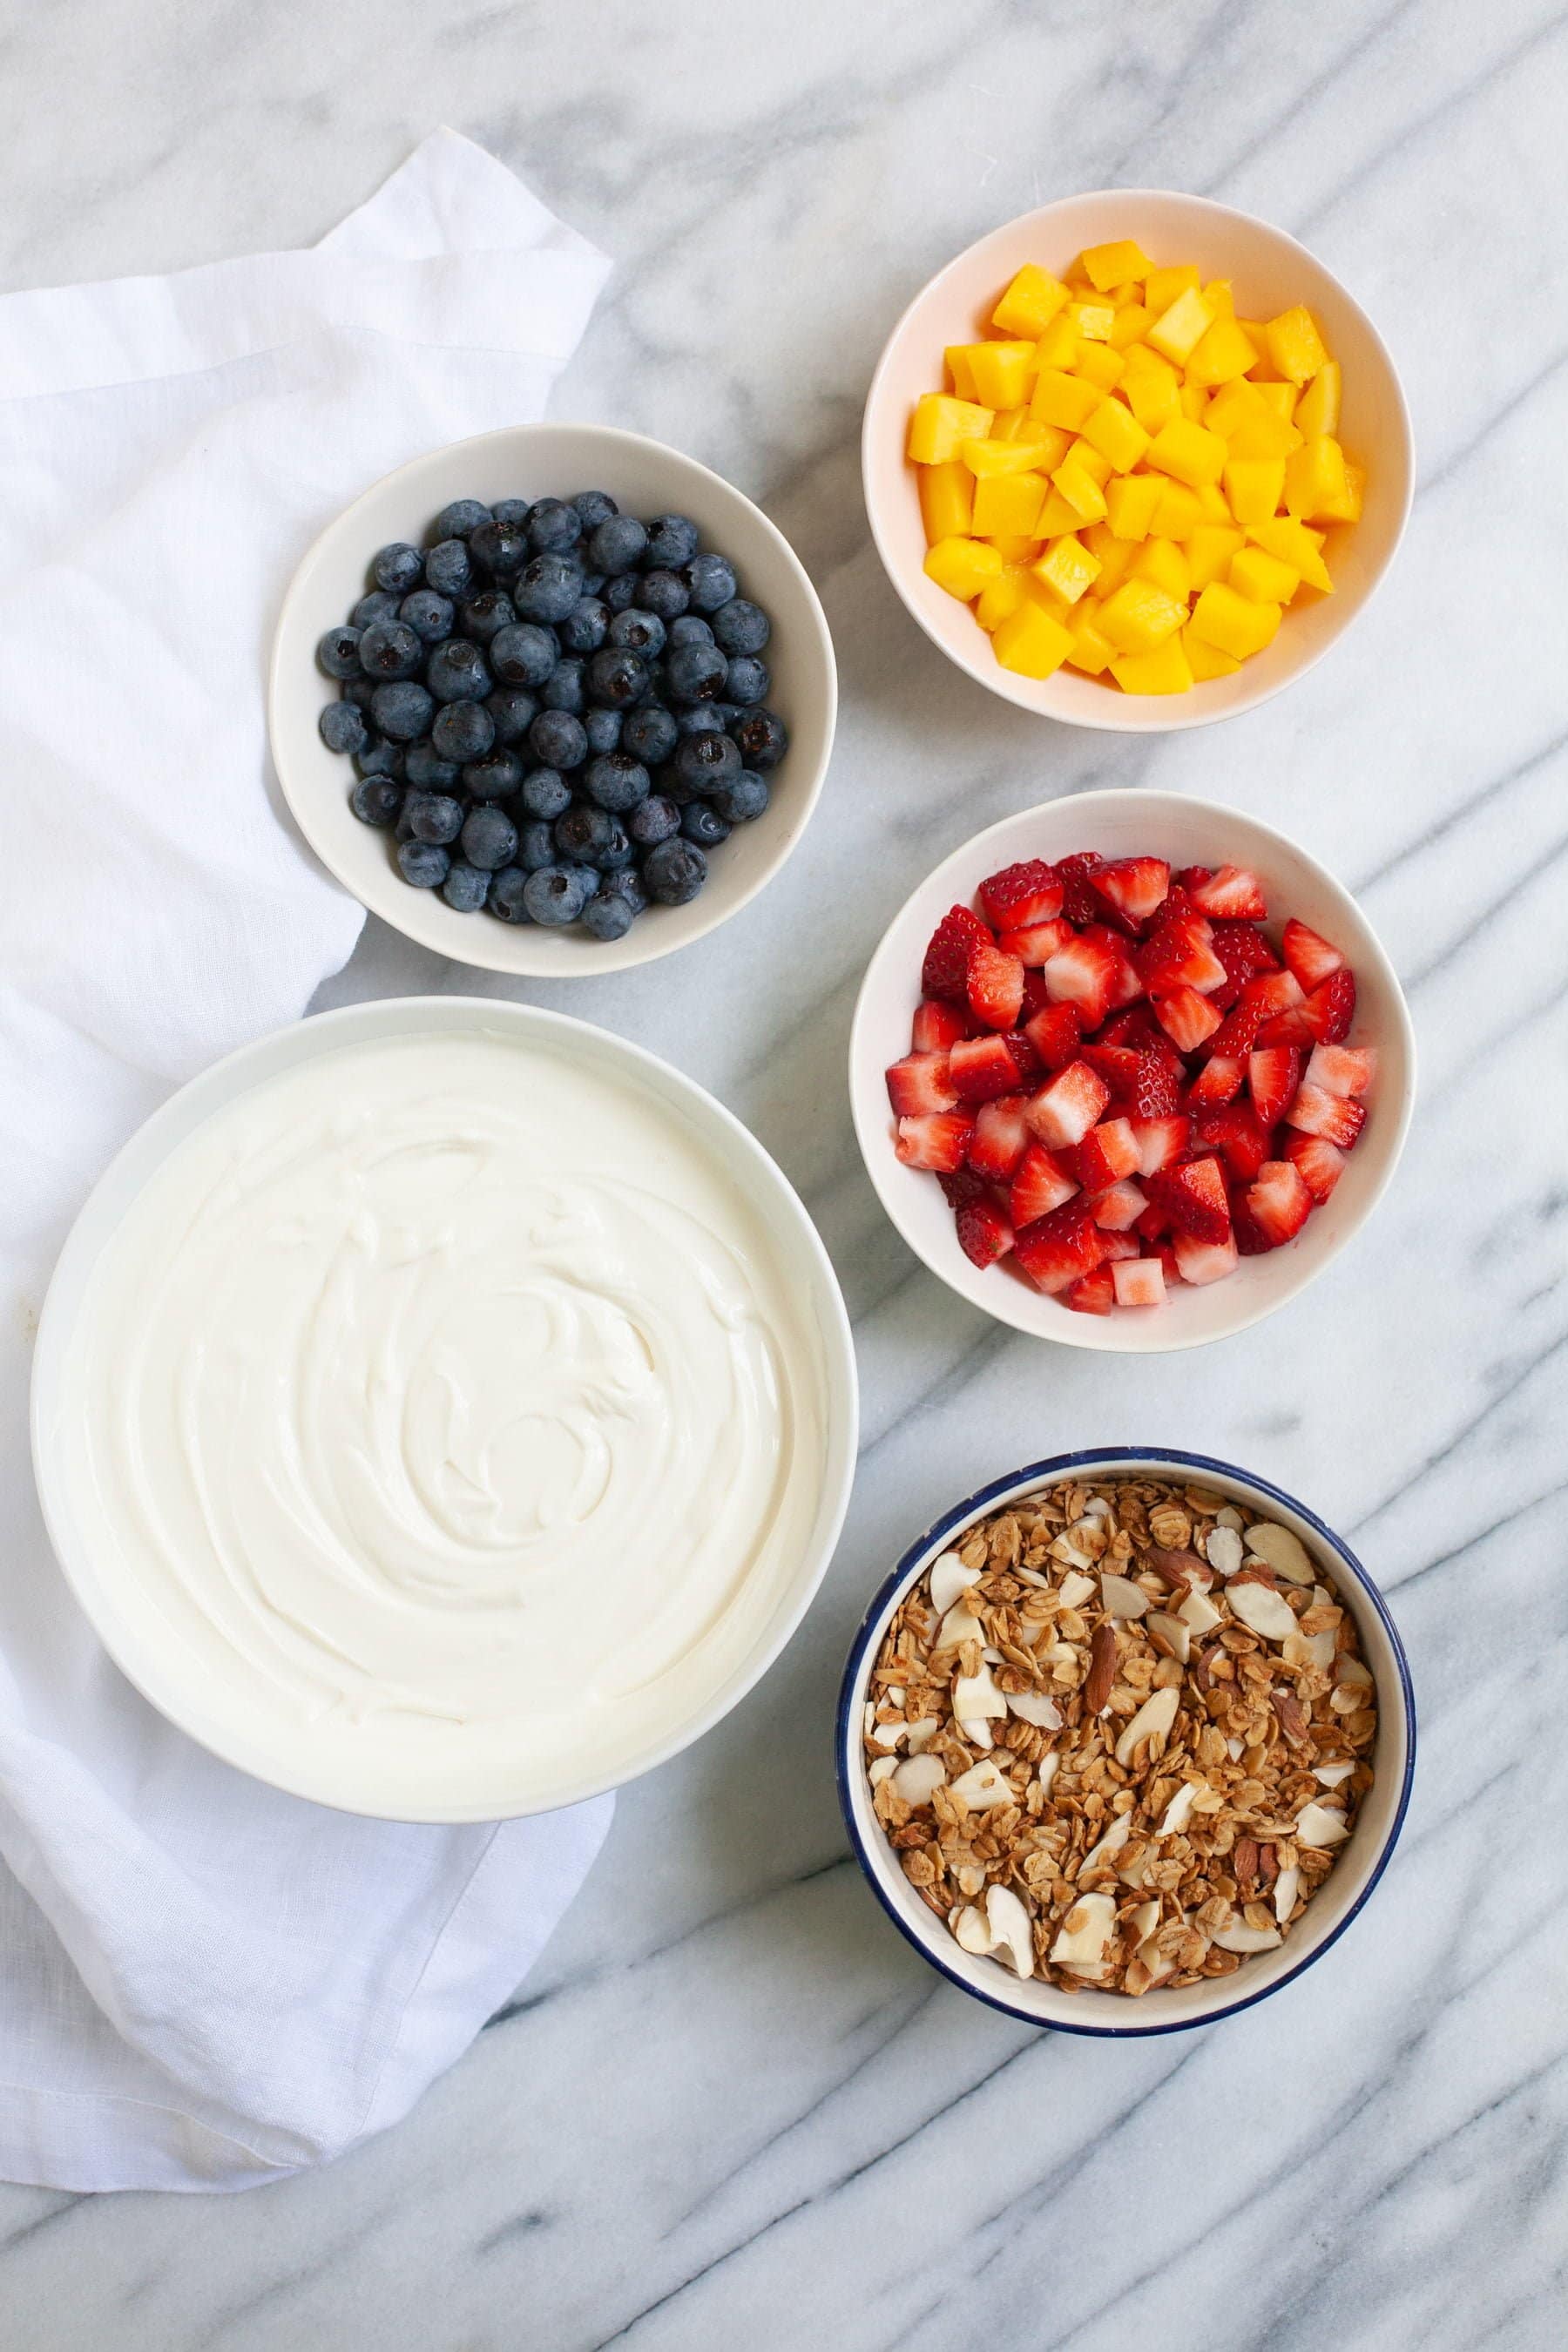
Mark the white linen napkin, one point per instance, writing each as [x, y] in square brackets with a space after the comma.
[203, 1983]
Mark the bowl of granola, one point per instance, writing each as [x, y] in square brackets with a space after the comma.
[1125, 1741]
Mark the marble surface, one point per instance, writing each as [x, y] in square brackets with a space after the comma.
[731, 2104]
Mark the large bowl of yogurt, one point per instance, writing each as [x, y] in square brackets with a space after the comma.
[444, 1410]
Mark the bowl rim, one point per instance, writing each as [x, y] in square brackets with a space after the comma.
[641, 945]
[1091, 1332]
[1170, 716]
[287, 1047]
[1050, 1471]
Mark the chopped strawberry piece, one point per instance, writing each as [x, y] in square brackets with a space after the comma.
[940, 1140]
[1160, 1143]
[1133, 1028]
[1126, 984]
[1342, 1069]
[1330, 1010]
[1193, 877]
[979, 1068]
[1091, 1294]
[1087, 973]
[1117, 1208]
[1309, 955]
[1028, 893]
[1288, 1028]
[1139, 1282]
[1001, 1138]
[1260, 1001]
[1054, 1034]
[1250, 1239]
[984, 1233]
[1244, 951]
[938, 1025]
[1153, 1224]
[1273, 1074]
[1113, 1245]
[1067, 1106]
[1178, 955]
[1234, 1133]
[962, 1185]
[1026, 1061]
[1195, 1196]
[1319, 1164]
[1079, 904]
[1035, 943]
[1156, 1091]
[1040, 1184]
[1134, 886]
[1335, 1118]
[1035, 997]
[1280, 1200]
[945, 971]
[921, 1083]
[1219, 1081]
[1200, 1262]
[1233, 892]
[995, 985]
[1056, 1249]
[1107, 1153]
[1186, 1018]
[1117, 1064]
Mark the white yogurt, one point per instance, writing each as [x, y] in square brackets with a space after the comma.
[448, 1405]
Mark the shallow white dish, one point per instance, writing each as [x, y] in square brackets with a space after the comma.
[646, 479]
[1188, 833]
[1361, 1864]
[266, 1743]
[1271, 272]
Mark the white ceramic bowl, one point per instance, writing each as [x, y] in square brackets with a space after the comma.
[1361, 1862]
[1270, 271]
[1188, 833]
[537, 461]
[102, 1582]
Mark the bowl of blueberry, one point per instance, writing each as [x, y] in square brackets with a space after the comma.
[556, 699]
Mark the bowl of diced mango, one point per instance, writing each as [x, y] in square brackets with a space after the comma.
[1136, 460]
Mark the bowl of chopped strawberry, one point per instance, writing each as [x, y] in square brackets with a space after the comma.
[1132, 1095]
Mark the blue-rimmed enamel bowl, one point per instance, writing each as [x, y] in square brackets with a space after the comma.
[1361, 1864]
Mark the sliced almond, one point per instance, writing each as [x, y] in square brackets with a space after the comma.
[1046, 1770]
[1317, 1825]
[1200, 1614]
[1084, 1934]
[959, 1625]
[983, 1786]
[1153, 1720]
[1179, 1812]
[1243, 1938]
[1115, 1838]
[917, 1777]
[1011, 1933]
[883, 1769]
[1260, 1609]
[948, 1578]
[1224, 1551]
[1287, 1886]
[1329, 1776]
[976, 1696]
[1285, 1553]
[1036, 1708]
[972, 1930]
[1174, 1631]
[1120, 1596]
[976, 1732]
[887, 1734]
[923, 1733]
[1076, 1589]
[1300, 1650]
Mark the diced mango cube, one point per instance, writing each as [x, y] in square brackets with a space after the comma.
[1015, 547]
[1001, 372]
[1281, 398]
[1031, 641]
[1140, 616]
[1115, 555]
[1205, 660]
[1318, 410]
[1263, 577]
[1008, 504]
[1177, 513]
[1189, 452]
[1346, 508]
[1314, 476]
[1220, 296]
[1028, 454]
[1056, 515]
[1161, 286]
[1058, 347]
[1115, 432]
[1176, 331]
[1222, 352]
[1095, 462]
[1225, 618]
[1153, 394]
[947, 500]
[1162, 670]
[963, 566]
[1078, 486]
[1131, 501]
[1255, 486]
[1163, 562]
[1213, 504]
[1122, 262]
[956, 356]
[942, 425]
[1090, 650]
[1030, 303]
[1250, 424]
[1068, 568]
[1295, 545]
[1209, 549]
[1091, 322]
[1295, 346]
[1131, 324]
[1001, 596]
[1099, 365]
[1008, 423]
[1062, 399]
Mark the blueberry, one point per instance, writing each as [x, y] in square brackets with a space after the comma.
[585, 831]
[554, 527]
[489, 838]
[432, 816]
[360, 691]
[388, 650]
[377, 606]
[449, 568]
[514, 709]
[463, 732]
[617, 544]
[617, 677]
[620, 593]
[653, 821]
[618, 852]
[763, 738]
[696, 673]
[563, 689]
[712, 581]
[462, 517]
[703, 824]
[603, 729]
[524, 654]
[513, 512]
[422, 864]
[506, 895]
[628, 882]
[458, 672]
[483, 616]
[701, 719]
[536, 846]
[593, 585]
[705, 763]
[650, 734]
[499, 548]
[664, 594]
[617, 781]
[466, 886]
[588, 878]
[548, 587]
[740, 627]
[557, 739]
[748, 681]
[691, 629]
[584, 629]
[671, 541]
[609, 916]
[545, 793]
[398, 568]
[377, 757]
[494, 778]
[343, 727]
[594, 507]
[744, 799]
[338, 652]
[640, 632]
[404, 711]
[376, 800]
[675, 871]
[427, 615]
[555, 896]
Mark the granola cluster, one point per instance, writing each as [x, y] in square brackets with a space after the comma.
[1118, 1734]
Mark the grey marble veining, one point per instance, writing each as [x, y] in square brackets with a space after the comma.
[731, 2104]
